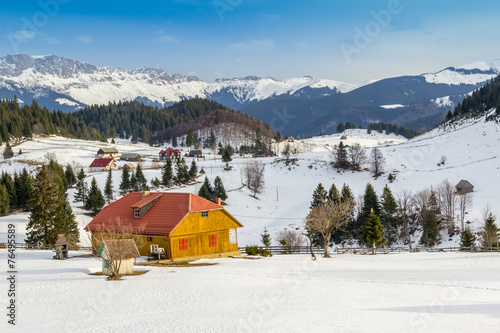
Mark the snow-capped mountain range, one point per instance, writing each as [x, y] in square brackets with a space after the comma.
[75, 84]
[317, 105]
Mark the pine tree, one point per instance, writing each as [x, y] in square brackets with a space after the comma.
[22, 184]
[50, 211]
[95, 200]
[341, 160]
[4, 200]
[8, 153]
[467, 238]
[490, 234]
[319, 196]
[279, 137]
[370, 201]
[133, 182]
[265, 238]
[373, 232]
[108, 188]
[346, 194]
[219, 190]
[125, 182]
[81, 188]
[70, 175]
[389, 207]
[142, 183]
[204, 193]
[333, 194]
[226, 155]
[209, 188]
[167, 174]
[430, 234]
[193, 170]
[174, 142]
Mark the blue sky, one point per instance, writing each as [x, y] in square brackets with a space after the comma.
[349, 41]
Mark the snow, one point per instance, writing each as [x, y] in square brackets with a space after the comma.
[443, 101]
[452, 77]
[471, 147]
[392, 106]
[65, 101]
[417, 292]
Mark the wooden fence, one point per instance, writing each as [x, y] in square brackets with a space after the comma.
[365, 250]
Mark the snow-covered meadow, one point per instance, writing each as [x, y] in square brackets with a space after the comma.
[412, 292]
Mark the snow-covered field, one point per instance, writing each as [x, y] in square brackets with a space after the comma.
[417, 292]
[471, 151]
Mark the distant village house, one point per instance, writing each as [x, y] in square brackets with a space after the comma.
[107, 153]
[102, 164]
[169, 153]
[130, 157]
[120, 252]
[464, 187]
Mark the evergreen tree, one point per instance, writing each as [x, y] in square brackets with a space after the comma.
[125, 182]
[373, 232]
[467, 238]
[81, 188]
[279, 137]
[319, 196]
[346, 193]
[333, 194]
[190, 138]
[133, 182]
[142, 183]
[95, 200]
[226, 154]
[4, 200]
[430, 235]
[70, 175]
[209, 188]
[341, 159]
[370, 201]
[193, 170]
[167, 174]
[108, 188]
[389, 207]
[490, 234]
[50, 211]
[212, 140]
[340, 127]
[22, 184]
[219, 190]
[204, 193]
[265, 238]
[11, 189]
[174, 142]
[8, 153]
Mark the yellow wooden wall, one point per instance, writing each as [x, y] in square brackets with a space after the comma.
[198, 229]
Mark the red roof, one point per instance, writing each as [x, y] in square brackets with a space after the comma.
[165, 214]
[101, 162]
[161, 152]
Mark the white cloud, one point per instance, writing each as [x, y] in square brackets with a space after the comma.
[84, 39]
[259, 45]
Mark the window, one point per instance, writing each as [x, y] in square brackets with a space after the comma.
[232, 236]
[183, 244]
[137, 213]
[150, 239]
[204, 214]
[212, 240]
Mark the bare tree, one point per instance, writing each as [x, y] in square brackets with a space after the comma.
[464, 204]
[327, 217]
[117, 235]
[377, 162]
[357, 156]
[291, 239]
[254, 175]
[448, 202]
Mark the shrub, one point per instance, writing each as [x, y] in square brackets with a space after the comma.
[254, 250]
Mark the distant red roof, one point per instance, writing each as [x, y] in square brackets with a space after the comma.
[165, 214]
[101, 162]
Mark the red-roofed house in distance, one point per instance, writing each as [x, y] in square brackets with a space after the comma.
[183, 224]
[101, 164]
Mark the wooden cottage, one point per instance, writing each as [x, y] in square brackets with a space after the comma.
[129, 166]
[169, 153]
[118, 252]
[130, 157]
[184, 224]
[107, 153]
[101, 164]
[464, 187]
[195, 153]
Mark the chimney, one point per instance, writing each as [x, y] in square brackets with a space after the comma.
[145, 194]
[218, 201]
